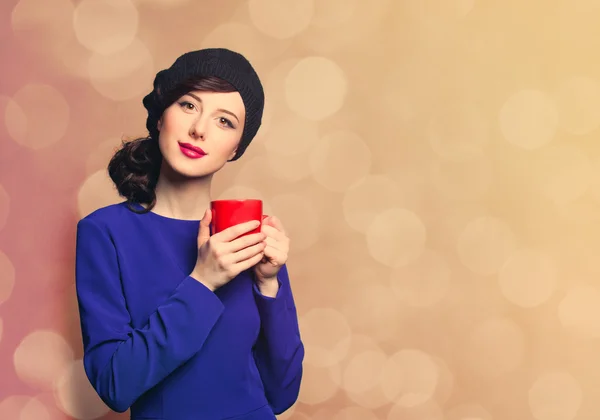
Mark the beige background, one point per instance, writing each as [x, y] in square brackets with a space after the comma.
[436, 163]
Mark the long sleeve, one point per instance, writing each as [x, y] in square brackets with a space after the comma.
[279, 351]
[122, 362]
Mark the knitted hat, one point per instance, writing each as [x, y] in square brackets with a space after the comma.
[218, 62]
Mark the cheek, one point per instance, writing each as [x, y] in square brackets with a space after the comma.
[167, 140]
[230, 143]
[168, 121]
[222, 141]
[171, 127]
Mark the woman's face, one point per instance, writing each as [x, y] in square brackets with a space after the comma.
[200, 132]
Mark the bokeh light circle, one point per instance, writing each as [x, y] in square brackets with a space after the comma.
[429, 410]
[43, 27]
[7, 277]
[105, 26]
[459, 134]
[315, 88]
[445, 383]
[495, 347]
[164, 4]
[485, 244]
[555, 396]
[124, 74]
[40, 357]
[291, 135]
[332, 13]
[12, 406]
[364, 371]
[424, 282]
[579, 311]
[409, 377]
[578, 100]
[371, 196]
[529, 119]
[240, 192]
[562, 172]
[355, 413]
[319, 384]
[101, 155]
[339, 160]
[303, 231]
[289, 168]
[528, 278]
[34, 409]
[4, 206]
[245, 39]
[38, 116]
[372, 310]
[326, 336]
[74, 393]
[462, 180]
[396, 237]
[468, 412]
[97, 191]
[281, 18]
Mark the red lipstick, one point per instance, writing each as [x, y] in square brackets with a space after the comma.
[191, 151]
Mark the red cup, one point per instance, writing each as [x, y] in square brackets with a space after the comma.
[227, 213]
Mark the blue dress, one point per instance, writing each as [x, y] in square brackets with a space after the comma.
[161, 343]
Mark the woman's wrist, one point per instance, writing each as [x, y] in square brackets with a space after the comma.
[196, 276]
[268, 286]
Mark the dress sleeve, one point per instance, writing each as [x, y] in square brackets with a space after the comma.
[279, 351]
[123, 362]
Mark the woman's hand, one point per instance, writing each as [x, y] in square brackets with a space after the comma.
[275, 251]
[221, 256]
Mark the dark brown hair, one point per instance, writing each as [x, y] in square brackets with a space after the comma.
[135, 167]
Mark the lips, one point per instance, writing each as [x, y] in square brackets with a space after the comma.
[191, 151]
[192, 148]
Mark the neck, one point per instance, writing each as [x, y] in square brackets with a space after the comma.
[183, 198]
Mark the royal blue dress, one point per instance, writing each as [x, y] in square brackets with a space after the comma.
[161, 343]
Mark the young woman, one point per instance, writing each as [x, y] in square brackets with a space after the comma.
[179, 324]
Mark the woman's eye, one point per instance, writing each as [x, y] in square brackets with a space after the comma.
[187, 105]
[226, 122]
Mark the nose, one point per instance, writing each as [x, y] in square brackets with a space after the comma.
[198, 128]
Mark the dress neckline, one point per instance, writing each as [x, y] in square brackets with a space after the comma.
[166, 218]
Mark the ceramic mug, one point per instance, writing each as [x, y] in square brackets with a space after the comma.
[227, 213]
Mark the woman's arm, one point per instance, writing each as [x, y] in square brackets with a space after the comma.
[279, 351]
[121, 362]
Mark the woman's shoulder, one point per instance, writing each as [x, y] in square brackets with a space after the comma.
[117, 224]
[110, 215]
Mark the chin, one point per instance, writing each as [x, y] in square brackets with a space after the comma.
[192, 168]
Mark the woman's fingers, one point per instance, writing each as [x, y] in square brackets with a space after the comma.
[249, 263]
[275, 255]
[276, 223]
[273, 243]
[244, 242]
[247, 253]
[233, 232]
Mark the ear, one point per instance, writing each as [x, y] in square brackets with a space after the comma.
[231, 156]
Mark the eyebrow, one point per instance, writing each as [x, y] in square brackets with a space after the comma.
[220, 109]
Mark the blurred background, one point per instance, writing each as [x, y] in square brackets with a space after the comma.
[436, 163]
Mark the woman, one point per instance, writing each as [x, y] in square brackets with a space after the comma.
[178, 324]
